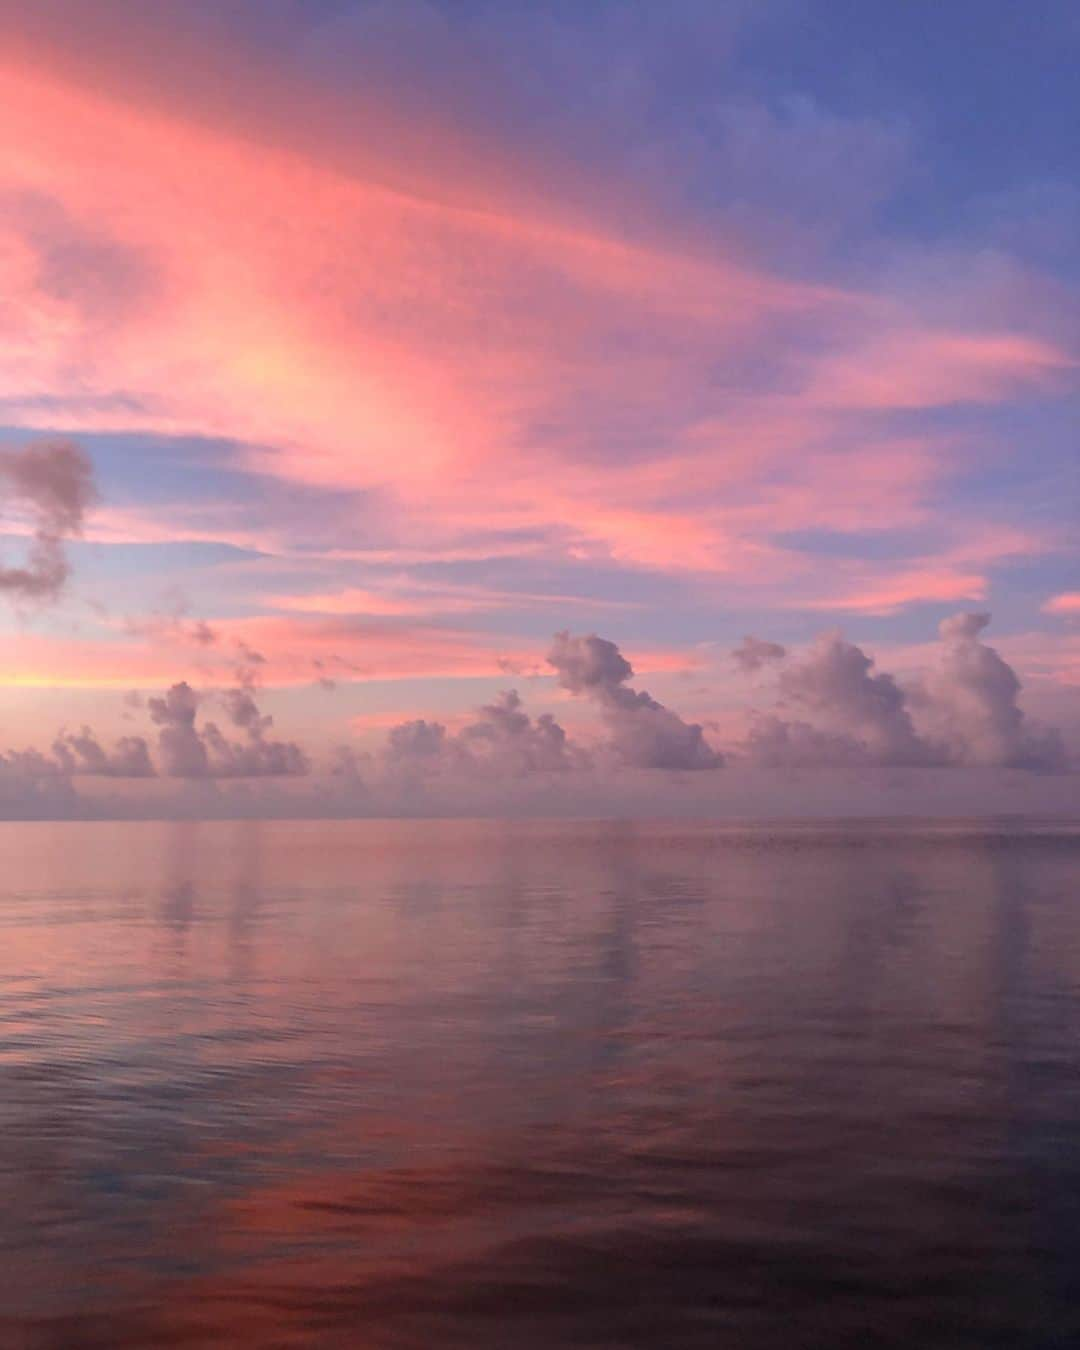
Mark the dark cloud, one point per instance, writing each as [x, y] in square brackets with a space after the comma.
[643, 733]
[248, 655]
[753, 653]
[323, 680]
[416, 740]
[244, 712]
[588, 665]
[52, 483]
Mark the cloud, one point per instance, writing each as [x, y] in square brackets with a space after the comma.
[82, 753]
[33, 786]
[172, 625]
[186, 751]
[1066, 603]
[501, 741]
[836, 685]
[642, 732]
[181, 748]
[970, 703]
[964, 713]
[52, 483]
[777, 742]
[416, 740]
[753, 653]
[832, 710]
[926, 369]
[505, 735]
[326, 316]
[348, 764]
[907, 586]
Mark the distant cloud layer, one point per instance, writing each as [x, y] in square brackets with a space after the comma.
[828, 708]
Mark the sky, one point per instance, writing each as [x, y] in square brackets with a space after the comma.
[455, 405]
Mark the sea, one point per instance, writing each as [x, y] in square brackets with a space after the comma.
[624, 1085]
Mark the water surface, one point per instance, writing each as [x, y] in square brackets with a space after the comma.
[492, 1085]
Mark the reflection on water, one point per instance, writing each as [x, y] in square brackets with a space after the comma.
[488, 1085]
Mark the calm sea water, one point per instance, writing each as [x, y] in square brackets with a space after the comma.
[527, 1086]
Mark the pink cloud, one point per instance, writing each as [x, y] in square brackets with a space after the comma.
[906, 587]
[148, 655]
[920, 369]
[1066, 603]
[280, 283]
[408, 597]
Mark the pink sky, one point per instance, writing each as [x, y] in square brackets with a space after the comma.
[385, 387]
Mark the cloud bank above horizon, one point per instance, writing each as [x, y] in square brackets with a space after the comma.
[352, 350]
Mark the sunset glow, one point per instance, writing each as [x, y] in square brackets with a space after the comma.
[386, 371]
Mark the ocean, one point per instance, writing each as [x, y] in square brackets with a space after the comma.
[520, 1086]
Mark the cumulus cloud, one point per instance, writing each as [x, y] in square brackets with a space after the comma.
[82, 753]
[753, 653]
[180, 747]
[502, 740]
[970, 704]
[779, 742]
[832, 708]
[188, 751]
[965, 713]
[51, 483]
[416, 740]
[37, 786]
[857, 714]
[642, 732]
[505, 734]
